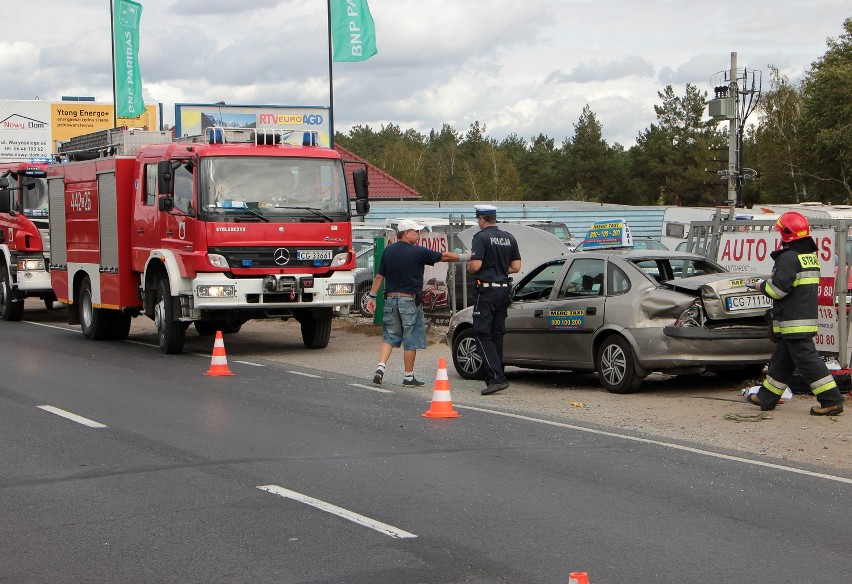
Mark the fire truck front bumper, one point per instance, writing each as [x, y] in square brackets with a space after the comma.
[216, 292]
[36, 279]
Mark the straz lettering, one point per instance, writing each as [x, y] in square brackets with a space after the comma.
[809, 261]
[228, 229]
[502, 241]
[81, 201]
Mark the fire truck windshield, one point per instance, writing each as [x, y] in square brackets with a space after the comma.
[272, 186]
[34, 196]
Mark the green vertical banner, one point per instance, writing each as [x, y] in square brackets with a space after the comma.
[128, 79]
[353, 32]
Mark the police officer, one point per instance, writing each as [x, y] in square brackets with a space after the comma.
[494, 255]
[793, 288]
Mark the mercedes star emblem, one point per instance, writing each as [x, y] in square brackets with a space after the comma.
[281, 256]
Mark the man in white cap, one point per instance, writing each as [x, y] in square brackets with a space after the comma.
[401, 268]
[494, 255]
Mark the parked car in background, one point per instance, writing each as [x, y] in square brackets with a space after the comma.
[638, 243]
[626, 314]
[364, 273]
[558, 230]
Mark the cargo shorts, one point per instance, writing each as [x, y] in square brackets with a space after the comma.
[403, 324]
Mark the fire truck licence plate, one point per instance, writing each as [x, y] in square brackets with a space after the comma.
[312, 254]
[748, 302]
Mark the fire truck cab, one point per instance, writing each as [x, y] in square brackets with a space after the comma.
[24, 237]
[210, 231]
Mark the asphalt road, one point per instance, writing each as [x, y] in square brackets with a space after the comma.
[292, 474]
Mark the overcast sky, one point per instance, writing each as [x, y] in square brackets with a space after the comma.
[517, 66]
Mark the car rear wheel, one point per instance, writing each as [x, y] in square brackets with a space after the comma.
[616, 369]
[361, 300]
[466, 359]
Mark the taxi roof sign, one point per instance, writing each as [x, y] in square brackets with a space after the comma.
[608, 234]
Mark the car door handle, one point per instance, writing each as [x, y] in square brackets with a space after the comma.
[169, 232]
[140, 231]
[591, 310]
[538, 313]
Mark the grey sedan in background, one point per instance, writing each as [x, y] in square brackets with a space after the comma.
[626, 314]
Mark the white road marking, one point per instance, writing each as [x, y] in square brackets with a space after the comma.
[250, 363]
[371, 387]
[72, 417]
[339, 511]
[305, 374]
[665, 444]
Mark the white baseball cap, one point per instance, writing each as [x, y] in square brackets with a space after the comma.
[409, 224]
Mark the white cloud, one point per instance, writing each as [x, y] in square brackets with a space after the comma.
[517, 67]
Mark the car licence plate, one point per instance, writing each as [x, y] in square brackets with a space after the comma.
[312, 254]
[748, 302]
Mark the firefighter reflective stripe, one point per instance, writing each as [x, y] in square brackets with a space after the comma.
[824, 384]
[774, 385]
[809, 277]
[773, 292]
[790, 327]
[809, 260]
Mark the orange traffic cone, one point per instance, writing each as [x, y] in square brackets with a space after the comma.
[219, 362]
[442, 404]
[578, 578]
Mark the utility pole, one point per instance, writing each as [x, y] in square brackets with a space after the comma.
[733, 142]
[737, 93]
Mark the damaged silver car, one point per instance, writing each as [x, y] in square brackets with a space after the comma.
[626, 314]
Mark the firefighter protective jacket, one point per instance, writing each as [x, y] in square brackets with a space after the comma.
[794, 288]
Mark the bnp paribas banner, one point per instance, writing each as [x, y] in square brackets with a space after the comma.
[31, 129]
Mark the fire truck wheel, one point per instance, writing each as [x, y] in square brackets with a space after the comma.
[120, 326]
[96, 323]
[316, 329]
[170, 332]
[9, 309]
[205, 328]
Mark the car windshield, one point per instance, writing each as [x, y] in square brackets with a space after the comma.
[272, 185]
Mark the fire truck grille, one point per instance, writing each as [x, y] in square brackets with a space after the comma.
[278, 257]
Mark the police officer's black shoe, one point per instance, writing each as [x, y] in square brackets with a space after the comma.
[495, 387]
[753, 399]
[833, 410]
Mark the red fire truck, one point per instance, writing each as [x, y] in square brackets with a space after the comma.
[24, 237]
[212, 231]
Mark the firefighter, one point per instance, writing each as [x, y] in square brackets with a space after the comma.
[793, 288]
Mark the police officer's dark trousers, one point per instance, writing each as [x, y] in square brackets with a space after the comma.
[489, 326]
[798, 353]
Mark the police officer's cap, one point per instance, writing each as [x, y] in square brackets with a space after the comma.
[485, 210]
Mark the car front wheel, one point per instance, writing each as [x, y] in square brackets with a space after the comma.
[615, 366]
[467, 361]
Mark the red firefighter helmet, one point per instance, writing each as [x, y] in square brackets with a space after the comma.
[792, 226]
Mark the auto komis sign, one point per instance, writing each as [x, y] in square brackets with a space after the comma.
[750, 251]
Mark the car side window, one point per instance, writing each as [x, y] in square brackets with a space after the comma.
[585, 278]
[540, 283]
[619, 283]
[183, 190]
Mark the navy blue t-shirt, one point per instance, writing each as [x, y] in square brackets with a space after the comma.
[402, 266]
[497, 249]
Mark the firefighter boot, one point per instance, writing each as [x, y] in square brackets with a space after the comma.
[830, 403]
[763, 398]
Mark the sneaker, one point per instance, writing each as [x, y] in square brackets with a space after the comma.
[495, 387]
[834, 410]
[413, 382]
[378, 375]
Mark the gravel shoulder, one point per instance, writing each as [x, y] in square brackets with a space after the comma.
[687, 408]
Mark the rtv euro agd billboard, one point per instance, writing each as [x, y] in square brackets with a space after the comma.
[194, 118]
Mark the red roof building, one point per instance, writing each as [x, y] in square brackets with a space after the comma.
[382, 185]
